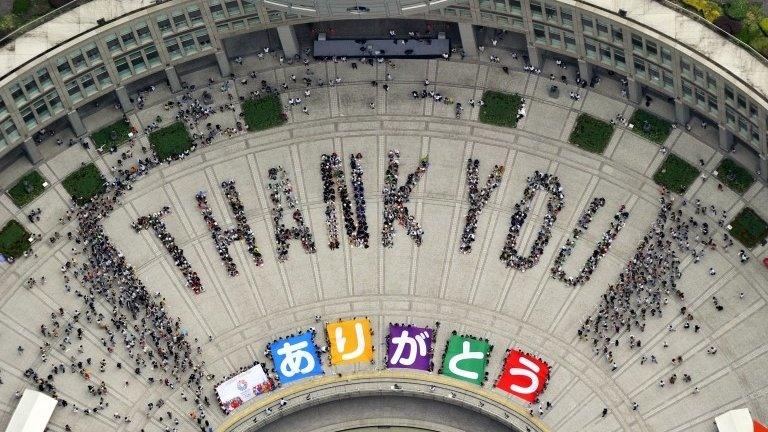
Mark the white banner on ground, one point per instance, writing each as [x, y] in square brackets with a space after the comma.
[243, 387]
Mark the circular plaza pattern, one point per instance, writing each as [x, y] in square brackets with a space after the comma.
[425, 280]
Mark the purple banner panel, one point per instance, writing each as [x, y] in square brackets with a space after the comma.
[409, 347]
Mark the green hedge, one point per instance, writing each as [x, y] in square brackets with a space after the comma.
[14, 240]
[84, 184]
[21, 7]
[263, 113]
[170, 141]
[734, 175]
[749, 228]
[112, 136]
[659, 128]
[500, 109]
[764, 25]
[676, 174]
[760, 44]
[27, 189]
[591, 134]
[737, 9]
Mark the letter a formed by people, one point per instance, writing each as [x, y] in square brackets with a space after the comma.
[466, 354]
[294, 354]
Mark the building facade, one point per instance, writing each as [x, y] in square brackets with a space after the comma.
[154, 38]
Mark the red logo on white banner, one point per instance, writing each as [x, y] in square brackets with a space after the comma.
[523, 375]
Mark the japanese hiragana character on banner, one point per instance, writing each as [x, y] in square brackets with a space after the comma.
[409, 347]
[466, 358]
[350, 341]
[296, 357]
[523, 375]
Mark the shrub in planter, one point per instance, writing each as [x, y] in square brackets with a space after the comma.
[707, 8]
[749, 32]
[21, 7]
[737, 9]
[764, 25]
[729, 24]
[760, 44]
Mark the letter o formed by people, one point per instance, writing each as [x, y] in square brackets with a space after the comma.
[523, 375]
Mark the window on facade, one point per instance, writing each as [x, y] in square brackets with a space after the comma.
[536, 11]
[651, 48]
[142, 31]
[180, 20]
[233, 9]
[123, 69]
[3, 110]
[42, 110]
[741, 101]
[173, 48]
[54, 101]
[618, 57]
[755, 134]
[618, 34]
[203, 39]
[711, 82]
[742, 125]
[698, 74]
[164, 24]
[29, 117]
[78, 61]
[637, 43]
[73, 90]
[188, 44]
[591, 49]
[639, 67]
[551, 12]
[752, 110]
[701, 98]
[554, 37]
[605, 54]
[728, 93]
[653, 72]
[570, 41]
[666, 56]
[687, 92]
[63, 67]
[30, 87]
[538, 33]
[44, 78]
[88, 85]
[685, 67]
[602, 29]
[137, 62]
[129, 41]
[113, 45]
[216, 9]
[92, 52]
[153, 58]
[17, 94]
[195, 16]
[730, 116]
[669, 81]
[566, 16]
[712, 104]
[10, 130]
[587, 25]
[102, 76]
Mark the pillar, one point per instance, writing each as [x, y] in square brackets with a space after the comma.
[682, 112]
[634, 90]
[173, 79]
[725, 139]
[76, 123]
[585, 70]
[534, 56]
[223, 61]
[763, 167]
[125, 101]
[288, 40]
[468, 40]
[31, 150]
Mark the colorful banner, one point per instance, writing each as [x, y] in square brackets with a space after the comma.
[243, 387]
[409, 347]
[465, 359]
[523, 375]
[350, 341]
[296, 358]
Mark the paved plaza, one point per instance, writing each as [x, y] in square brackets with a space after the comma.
[235, 317]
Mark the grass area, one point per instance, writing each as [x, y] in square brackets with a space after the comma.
[500, 109]
[112, 136]
[14, 240]
[749, 228]
[676, 174]
[263, 113]
[170, 141]
[650, 126]
[734, 175]
[591, 134]
[84, 184]
[24, 11]
[27, 189]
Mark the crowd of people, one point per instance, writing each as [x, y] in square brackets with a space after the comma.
[281, 190]
[395, 200]
[478, 198]
[154, 222]
[334, 180]
[602, 247]
[223, 238]
[538, 181]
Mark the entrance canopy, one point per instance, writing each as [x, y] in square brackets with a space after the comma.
[32, 413]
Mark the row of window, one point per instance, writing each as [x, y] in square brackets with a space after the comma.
[187, 44]
[87, 84]
[42, 109]
[180, 19]
[128, 37]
